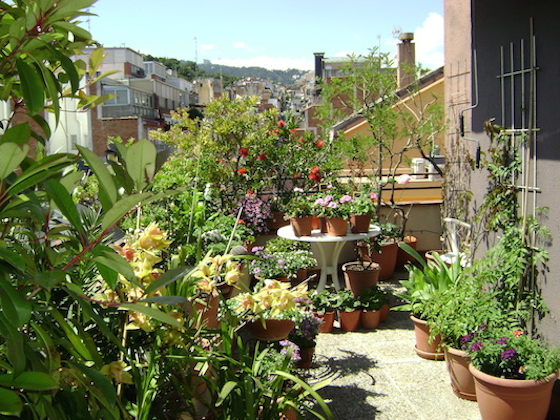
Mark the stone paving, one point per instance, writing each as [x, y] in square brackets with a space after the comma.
[377, 375]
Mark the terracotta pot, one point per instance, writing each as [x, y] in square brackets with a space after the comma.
[512, 399]
[328, 322]
[301, 276]
[207, 312]
[357, 278]
[462, 381]
[402, 256]
[424, 348]
[301, 226]
[385, 309]
[272, 330]
[370, 319]
[359, 223]
[315, 223]
[276, 220]
[387, 259]
[290, 414]
[350, 321]
[337, 226]
[323, 224]
[306, 355]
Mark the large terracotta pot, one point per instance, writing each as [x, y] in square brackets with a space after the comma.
[350, 321]
[358, 276]
[424, 348]
[337, 226]
[462, 381]
[306, 357]
[402, 255]
[302, 226]
[328, 322]
[272, 330]
[359, 223]
[512, 399]
[206, 311]
[370, 319]
[387, 259]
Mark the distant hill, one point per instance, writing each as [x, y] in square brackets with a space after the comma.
[283, 77]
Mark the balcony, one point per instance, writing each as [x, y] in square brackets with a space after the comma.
[119, 111]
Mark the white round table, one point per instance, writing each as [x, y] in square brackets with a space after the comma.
[328, 249]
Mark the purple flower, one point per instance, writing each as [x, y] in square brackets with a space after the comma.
[502, 341]
[508, 354]
[256, 249]
[465, 339]
[256, 270]
[476, 346]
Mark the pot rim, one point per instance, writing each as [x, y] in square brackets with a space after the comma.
[511, 383]
[372, 266]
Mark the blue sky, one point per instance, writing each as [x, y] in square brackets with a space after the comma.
[275, 35]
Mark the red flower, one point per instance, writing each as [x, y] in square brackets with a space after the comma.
[315, 169]
[241, 222]
[250, 192]
[296, 175]
[517, 333]
[276, 131]
[244, 152]
[281, 123]
[262, 156]
[241, 171]
[293, 130]
[300, 140]
[319, 143]
[314, 174]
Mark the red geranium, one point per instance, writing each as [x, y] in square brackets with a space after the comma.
[281, 123]
[244, 152]
[314, 174]
[319, 143]
[262, 156]
[293, 130]
[241, 171]
[296, 175]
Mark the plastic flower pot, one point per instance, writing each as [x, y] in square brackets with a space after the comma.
[337, 226]
[301, 226]
[359, 223]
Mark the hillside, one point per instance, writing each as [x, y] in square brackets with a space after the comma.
[283, 77]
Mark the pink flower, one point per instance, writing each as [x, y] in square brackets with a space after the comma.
[345, 199]
[333, 205]
[373, 196]
[403, 179]
[298, 189]
[320, 202]
[328, 198]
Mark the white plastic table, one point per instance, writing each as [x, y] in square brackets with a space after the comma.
[328, 248]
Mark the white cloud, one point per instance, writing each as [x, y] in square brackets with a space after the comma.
[207, 47]
[271, 63]
[429, 41]
[241, 45]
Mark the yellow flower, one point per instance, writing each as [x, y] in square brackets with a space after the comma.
[117, 372]
[141, 321]
[153, 238]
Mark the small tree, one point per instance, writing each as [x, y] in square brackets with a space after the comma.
[398, 119]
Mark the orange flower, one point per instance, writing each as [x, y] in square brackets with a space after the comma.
[517, 333]
[281, 123]
[319, 143]
[241, 171]
[296, 175]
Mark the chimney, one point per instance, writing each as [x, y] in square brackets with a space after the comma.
[406, 59]
[319, 64]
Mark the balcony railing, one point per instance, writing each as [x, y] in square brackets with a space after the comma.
[118, 111]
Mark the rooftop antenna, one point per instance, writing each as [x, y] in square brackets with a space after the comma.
[195, 51]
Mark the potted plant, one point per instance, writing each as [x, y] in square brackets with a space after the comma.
[325, 303]
[336, 210]
[382, 250]
[424, 283]
[371, 300]
[514, 373]
[296, 255]
[299, 213]
[360, 275]
[267, 309]
[349, 311]
[267, 265]
[304, 335]
[361, 209]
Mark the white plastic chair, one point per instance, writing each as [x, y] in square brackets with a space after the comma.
[453, 226]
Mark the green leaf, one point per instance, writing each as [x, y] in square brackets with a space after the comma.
[14, 344]
[168, 277]
[225, 391]
[166, 300]
[95, 60]
[101, 382]
[121, 208]
[107, 189]
[152, 313]
[141, 162]
[11, 155]
[18, 134]
[10, 403]
[50, 279]
[34, 381]
[75, 29]
[65, 204]
[12, 258]
[14, 304]
[31, 87]
[76, 341]
[118, 264]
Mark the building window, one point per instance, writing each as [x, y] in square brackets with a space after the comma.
[121, 95]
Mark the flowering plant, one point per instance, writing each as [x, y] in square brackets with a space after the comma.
[306, 330]
[510, 354]
[255, 212]
[298, 206]
[363, 203]
[333, 206]
[273, 300]
[213, 272]
[268, 265]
